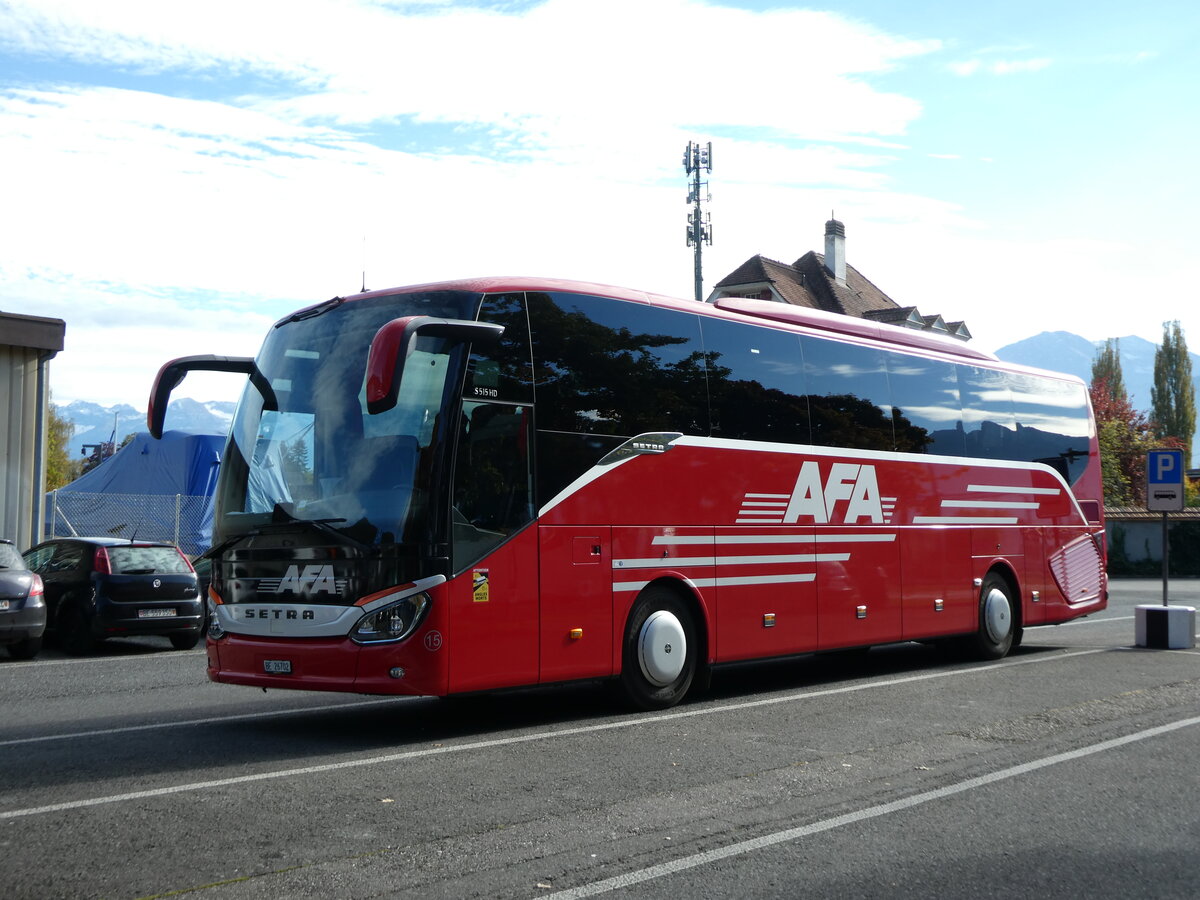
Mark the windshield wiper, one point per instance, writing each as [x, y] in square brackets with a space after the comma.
[282, 515]
[312, 312]
[214, 552]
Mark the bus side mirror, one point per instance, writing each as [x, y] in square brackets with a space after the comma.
[394, 343]
[173, 372]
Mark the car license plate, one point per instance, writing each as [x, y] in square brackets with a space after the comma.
[277, 666]
[156, 613]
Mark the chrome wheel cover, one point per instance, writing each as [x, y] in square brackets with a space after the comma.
[997, 615]
[662, 648]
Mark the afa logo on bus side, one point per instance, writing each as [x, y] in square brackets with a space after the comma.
[850, 484]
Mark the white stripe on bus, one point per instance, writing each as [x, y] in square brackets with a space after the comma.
[658, 562]
[1012, 489]
[729, 581]
[965, 520]
[990, 504]
[772, 538]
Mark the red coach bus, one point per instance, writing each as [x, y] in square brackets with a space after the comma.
[510, 481]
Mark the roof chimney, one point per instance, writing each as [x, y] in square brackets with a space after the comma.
[835, 249]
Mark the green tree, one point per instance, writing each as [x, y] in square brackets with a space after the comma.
[296, 468]
[1173, 397]
[60, 468]
[1106, 370]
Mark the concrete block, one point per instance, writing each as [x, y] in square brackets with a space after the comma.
[1165, 627]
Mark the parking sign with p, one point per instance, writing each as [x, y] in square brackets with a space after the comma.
[1164, 480]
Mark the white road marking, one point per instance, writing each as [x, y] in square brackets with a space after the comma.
[792, 834]
[211, 720]
[1089, 621]
[154, 656]
[526, 738]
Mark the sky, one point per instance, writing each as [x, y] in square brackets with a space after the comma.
[177, 176]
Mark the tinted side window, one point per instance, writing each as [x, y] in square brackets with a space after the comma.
[38, 557]
[615, 367]
[1051, 423]
[848, 396]
[492, 491]
[926, 409]
[502, 370]
[756, 383]
[67, 558]
[987, 412]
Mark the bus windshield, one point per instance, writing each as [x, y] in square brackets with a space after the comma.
[315, 454]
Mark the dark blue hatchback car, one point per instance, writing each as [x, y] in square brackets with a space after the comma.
[98, 588]
[22, 607]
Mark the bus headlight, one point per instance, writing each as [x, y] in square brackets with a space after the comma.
[393, 622]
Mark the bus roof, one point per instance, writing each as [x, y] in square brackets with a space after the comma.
[761, 309]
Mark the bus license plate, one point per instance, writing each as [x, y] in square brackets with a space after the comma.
[277, 666]
[156, 613]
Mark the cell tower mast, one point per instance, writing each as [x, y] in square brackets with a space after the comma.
[699, 231]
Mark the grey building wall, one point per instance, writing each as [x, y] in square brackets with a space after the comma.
[27, 344]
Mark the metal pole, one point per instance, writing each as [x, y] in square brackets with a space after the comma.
[177, 499]
[1166, 557]
[698, 231]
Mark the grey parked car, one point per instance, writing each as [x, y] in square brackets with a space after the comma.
[99, 588]
[22, 605]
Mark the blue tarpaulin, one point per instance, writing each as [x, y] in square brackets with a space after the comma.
[121, 491]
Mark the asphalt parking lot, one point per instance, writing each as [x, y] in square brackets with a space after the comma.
[1067, 769]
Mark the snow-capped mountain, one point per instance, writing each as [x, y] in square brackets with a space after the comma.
[1062, 351]
[95, 423]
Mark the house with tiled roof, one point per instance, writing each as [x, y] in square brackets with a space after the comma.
[827, 282]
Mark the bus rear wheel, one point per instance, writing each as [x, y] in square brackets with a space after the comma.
[658, 660]
[997, 629]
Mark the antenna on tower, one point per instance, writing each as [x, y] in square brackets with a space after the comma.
[699, 231]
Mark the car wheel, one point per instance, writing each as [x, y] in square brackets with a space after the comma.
[997, 628]
[185, 641]
[77, 637]
[658, 660]
[25, 649]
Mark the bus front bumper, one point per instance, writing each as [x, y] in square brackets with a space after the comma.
[327, 664]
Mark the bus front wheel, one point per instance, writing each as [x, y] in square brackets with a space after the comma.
[658, 661]
[998, 627]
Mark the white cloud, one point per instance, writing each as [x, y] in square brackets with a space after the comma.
[969, 67]
[165, 218]
[455, 140]
[1009, 67]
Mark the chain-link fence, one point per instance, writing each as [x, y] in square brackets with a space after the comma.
[181, 519]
